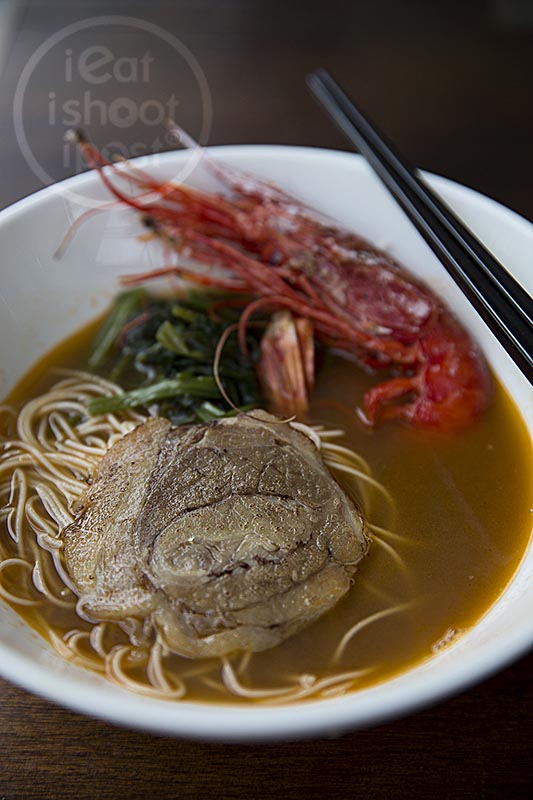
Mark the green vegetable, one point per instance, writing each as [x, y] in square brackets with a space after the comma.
[195, 386]
[170, 337]
[161, 352]
[184, 313]
[123, 310]
[207, 411]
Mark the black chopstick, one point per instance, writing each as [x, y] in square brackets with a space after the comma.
[501, 302]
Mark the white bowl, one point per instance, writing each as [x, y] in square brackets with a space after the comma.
[43, 300]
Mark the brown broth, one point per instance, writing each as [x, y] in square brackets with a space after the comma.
[463, 504]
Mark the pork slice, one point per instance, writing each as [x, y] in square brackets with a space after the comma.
[230, 535]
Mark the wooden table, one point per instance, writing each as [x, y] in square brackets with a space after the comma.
[451, 83]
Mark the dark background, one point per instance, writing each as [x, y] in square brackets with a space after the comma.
[451, 83]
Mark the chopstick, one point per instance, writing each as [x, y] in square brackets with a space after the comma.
[501, 302]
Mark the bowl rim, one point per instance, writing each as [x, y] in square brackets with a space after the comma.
[230, 723]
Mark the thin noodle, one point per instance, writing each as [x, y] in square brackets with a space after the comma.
[17, 501]
[364, 623]
[287, 693]
[392, 552]
[390, 534]
[362, 476]
[97, 638]
[5, 593]
[115, 671]
[349, 454]
[44, 469]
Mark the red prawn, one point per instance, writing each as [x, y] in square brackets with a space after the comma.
[354, 296]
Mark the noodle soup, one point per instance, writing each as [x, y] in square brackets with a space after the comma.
[447, 537]
[47, 299]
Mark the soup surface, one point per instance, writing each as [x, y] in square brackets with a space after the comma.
[455, 533]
